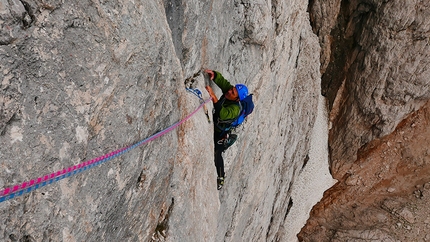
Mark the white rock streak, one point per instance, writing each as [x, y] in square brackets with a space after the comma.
[315, 178]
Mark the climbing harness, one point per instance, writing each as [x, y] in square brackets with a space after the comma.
[28, 186]
[198, 93]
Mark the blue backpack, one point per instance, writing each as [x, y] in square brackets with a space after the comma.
[246, 108]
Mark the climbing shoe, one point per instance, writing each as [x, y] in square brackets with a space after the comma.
[229, 141]
[220, 182]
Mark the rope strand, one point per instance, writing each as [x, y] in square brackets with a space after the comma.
[29, 186]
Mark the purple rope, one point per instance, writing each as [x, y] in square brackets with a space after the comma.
[28, 186]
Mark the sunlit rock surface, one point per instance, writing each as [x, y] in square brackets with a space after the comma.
[79, 79]
[82, 78]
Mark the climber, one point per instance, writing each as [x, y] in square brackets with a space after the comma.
[227, 110]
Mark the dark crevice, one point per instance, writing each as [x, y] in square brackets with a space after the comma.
[311, 16]
[346, 36]
[298, 54]
[290, 204]
[175, 18]
[27, 238]
[163, 226]
[191, 81]
[275, 16]
[141, 180]
[28, 17]
[270, 228]
[7, 123]
[305, 162]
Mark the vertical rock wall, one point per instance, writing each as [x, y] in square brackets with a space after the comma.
[377, 84]
[82, 78]
[378, 71]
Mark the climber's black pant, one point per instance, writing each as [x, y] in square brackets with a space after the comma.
[219, 149]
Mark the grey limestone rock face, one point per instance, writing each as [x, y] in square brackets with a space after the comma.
[84, 79]
[80, 79]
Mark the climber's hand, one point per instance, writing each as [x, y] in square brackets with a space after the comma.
[211, 74]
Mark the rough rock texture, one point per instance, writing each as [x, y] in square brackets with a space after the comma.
[76, 85]
[82, 78]
[377, 84]
[385, 194]
[378, 74]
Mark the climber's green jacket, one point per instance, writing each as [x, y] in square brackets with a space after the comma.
[225, 109]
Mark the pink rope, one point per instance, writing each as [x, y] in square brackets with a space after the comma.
[40, 180]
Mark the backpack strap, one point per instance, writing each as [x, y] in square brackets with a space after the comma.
[229, 121]
[225, 125]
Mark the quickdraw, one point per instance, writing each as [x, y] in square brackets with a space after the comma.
[198, 93]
